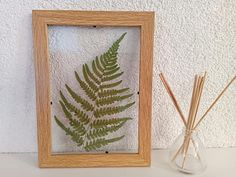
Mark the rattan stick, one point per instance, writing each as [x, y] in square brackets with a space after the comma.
[180, 148]
[176, 154]
[192, 111]
[214, 102]
[195, 147]
[169, 91]
[195, 101]
[200, 95]
[189, 117]
[192, 102]
[188, 121]
[186, 140]
[186, 149]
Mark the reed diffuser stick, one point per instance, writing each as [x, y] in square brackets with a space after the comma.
[200, 95]
[215, 101]
[172, 96]
[188, 145]
[187, 133]
[196, 96]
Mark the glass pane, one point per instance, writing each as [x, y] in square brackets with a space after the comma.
[98, 118]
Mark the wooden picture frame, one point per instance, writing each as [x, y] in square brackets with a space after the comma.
[41, 20]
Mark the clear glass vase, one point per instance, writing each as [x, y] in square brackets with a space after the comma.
[187, 153]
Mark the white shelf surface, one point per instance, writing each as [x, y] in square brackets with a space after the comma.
[221, 163]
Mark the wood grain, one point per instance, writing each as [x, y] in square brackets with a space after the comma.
[41, 20]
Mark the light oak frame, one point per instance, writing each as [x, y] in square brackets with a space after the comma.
[41, 20]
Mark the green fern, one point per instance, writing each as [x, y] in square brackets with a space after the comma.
[89, 123]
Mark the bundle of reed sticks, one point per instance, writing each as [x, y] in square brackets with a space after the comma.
[192, 122]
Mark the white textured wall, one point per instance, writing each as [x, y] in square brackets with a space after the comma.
[190, 37]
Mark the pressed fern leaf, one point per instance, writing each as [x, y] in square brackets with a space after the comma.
[77, 112]
[111, 110]
[106, 122]
[105, 93]
[74, 136]
[111, 99]
[98, 143]
[96, 133]
[92, 119]
[84, 104]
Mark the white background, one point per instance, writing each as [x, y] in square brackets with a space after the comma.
[190, 37]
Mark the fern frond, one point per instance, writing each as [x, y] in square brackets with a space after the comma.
[83, 117]
[111, 110]
[85, 87]
[88, 81]
[104, 65]
[66, 112]
[111, 68]
[98, 65]
[112, 92]
[84, 104]
[111, 56]
[95, 70]
[112, 99]
[114, 84]
[80, 114]
[109, 78]
[74, 136]
[99, 123]
[120, 39]
[91, 75]
[115, 45]
[113, 71]
[98, 83]
[77, 126]
[97, 143]
[111, 63]
[97, 133]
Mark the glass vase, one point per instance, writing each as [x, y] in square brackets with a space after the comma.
[187, 153]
